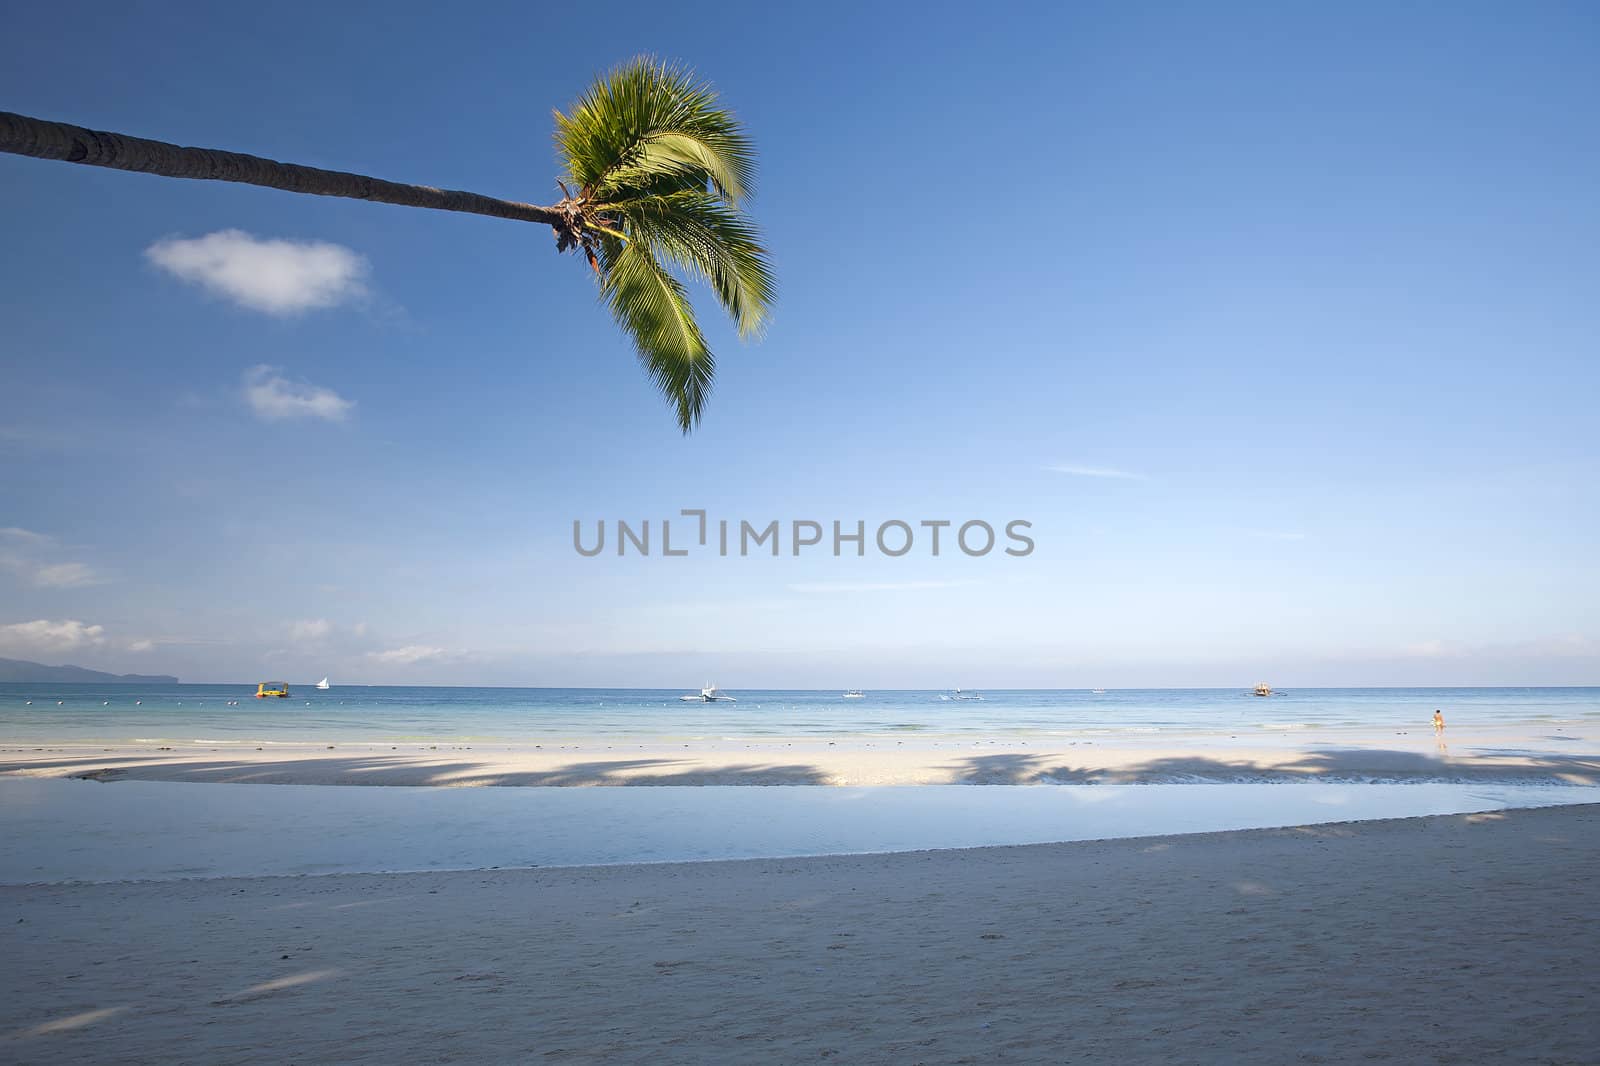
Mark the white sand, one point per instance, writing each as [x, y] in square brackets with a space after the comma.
[1533, 753]
[1454, 939]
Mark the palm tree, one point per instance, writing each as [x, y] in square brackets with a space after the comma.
[656, 176]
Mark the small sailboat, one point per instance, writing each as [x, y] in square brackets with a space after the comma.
[1263, 689]
[709, 694]
[323, 685]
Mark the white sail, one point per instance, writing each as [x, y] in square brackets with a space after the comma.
[323, 684]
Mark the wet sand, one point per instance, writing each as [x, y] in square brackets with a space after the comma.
[1448, 939]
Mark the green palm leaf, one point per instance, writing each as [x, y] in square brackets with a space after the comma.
[661, 172]
[713, 242]
[653, 306]
[673, 155]
[646, 119]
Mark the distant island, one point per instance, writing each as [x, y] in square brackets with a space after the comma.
[22, 670]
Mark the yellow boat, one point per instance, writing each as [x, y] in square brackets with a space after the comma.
[272, 688]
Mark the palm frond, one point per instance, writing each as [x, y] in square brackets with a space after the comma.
[711, 241]
[653, 307]
[672, 155]
[648, 119]
[661, 171]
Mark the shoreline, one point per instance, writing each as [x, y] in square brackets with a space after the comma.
[981, 852]
[1525, 753]
[1445, 938]
[64, 831]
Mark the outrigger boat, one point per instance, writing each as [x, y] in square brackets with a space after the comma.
[709, 694]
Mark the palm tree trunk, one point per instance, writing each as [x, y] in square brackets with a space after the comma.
[21, 135]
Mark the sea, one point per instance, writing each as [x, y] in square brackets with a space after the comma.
[72, 830]
[221, 714]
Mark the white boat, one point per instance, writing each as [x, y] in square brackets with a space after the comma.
[709, 694]
[960, 695]
[323, 685]
[1098, 691]
[855, 694]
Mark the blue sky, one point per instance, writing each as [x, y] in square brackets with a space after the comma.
[1277, 322]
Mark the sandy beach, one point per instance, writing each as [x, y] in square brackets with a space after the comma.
[266, 931]
[1450, 939]
[498, 566]
[1531, 753]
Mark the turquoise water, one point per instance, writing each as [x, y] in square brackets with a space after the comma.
[80, 831]
[186, 713]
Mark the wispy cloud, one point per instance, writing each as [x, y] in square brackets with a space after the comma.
[408, 655]
[274, 397]
[1432, 649]
[877, 586]
[280, 277]
[29, 554]
[1077, 470]
[310, 629]
[143, 644]
[46, 636]
[65, 576]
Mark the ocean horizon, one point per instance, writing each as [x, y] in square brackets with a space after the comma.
[227, 713]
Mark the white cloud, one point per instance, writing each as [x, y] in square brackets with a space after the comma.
[1432, 649]
[310, 629]
[276, 276]
[46, 636]
[65, 576]
[1095, 471]
[25, 553]
[408, 655]
[141, 645]
[274, 397]
[878, 586]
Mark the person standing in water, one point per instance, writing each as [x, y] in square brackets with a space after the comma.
[1438, 722]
